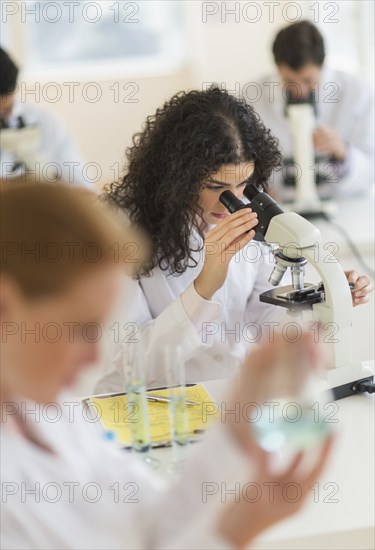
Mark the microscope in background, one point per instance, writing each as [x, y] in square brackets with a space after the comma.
[304, 171]
[297, 242]
[23, 142]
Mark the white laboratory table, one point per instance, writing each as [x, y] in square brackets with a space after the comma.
[327, 524]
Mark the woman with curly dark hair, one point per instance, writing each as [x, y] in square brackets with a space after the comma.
[174, 162]
[201, 286]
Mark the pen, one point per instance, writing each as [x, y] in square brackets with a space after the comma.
[121, 393]
[162, 399]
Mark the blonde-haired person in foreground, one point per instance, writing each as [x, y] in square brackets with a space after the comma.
[59, 477]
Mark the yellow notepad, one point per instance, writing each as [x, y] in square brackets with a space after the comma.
[116, 415]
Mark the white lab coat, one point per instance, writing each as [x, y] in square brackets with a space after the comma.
[89, 494]
[345, 104]
[56, 152]
[165, 310]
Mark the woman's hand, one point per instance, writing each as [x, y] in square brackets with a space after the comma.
[362, 287]
[243, 521]
[227, 238]
[271, 371]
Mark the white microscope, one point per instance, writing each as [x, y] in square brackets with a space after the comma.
[23, 143]
[299, 241]
[301, 115]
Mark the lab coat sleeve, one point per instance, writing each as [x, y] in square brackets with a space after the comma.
[360, 173]
[150, 335]
[198, 309]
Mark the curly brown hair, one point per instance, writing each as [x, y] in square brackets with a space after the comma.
[182, 144]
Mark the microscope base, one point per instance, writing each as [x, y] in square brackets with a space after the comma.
[343, 381]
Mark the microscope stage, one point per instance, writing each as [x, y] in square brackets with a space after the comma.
[290, 298]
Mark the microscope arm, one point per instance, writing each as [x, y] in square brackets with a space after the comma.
[301, 119]
[298, 238]
[293, 234]
[336, 311]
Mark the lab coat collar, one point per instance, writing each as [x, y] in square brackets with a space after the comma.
[44, 420]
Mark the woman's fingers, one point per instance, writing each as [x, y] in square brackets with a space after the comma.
[363, 283]
[293, 467]
[232, 231]
[235, 235]
[230, 222]
[359, 301]
[352, 276]
[240, 242]
[305, 480]
[362, 287]
[234, 241]
[321, 462]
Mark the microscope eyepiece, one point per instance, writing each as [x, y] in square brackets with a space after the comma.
[261, 203]
[309, 99]
[230, 201]
[251, 191]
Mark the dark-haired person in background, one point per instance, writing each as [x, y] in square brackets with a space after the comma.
[201, 287]
[33, 140]
[343, 136]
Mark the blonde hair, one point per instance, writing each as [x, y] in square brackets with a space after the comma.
[52, 234]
